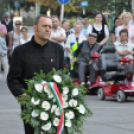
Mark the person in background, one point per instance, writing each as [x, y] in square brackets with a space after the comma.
[86, 21]
[25, 37]
[113, 32]
[83, 30]
[73, 42]
[3, 49]
[131, 22]
[65, 26]
[17, 34]
[126, 16]
[100, 28]
[58, 34]
[9, 37]
[85, 49]
[123, 47]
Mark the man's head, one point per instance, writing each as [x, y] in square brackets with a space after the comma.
[123, 35]
[85, 20]
[42, 27]
[66, 25]
[55, 22]
[92, 38]
[6, 16]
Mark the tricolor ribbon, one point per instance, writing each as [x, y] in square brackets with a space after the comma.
[57, 96]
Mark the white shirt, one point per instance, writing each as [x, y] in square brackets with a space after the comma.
[57, 33]
[16, 39]
[124, 47]
[72, 39]
[90, 29]
[22, 41]
[131, 22]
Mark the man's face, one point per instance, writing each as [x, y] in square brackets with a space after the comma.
[43, 29]
[85, 21]
[123, 36]
[6, 18]
[55, 22]
[92, 40]
[66, 26]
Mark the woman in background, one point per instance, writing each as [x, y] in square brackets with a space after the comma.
[25, 37]
[100, 28]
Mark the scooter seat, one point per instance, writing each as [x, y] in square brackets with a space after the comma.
[114, 76]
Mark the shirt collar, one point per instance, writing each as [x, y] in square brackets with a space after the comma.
[34, 43]
[124, 44]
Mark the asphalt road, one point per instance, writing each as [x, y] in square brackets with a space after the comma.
[109, 116]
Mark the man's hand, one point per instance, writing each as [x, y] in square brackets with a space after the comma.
[90, 62]
[24, 94]
[73, 60]
[69, 49]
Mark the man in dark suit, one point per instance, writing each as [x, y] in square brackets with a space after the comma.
[38, 54]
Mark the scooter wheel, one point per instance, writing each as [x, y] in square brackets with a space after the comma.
[121, 96]
[100, 94]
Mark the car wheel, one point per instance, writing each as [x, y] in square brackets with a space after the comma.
[100, 94]
[121, 96]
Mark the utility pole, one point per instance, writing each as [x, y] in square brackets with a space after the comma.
[37, 9]
[132, 4]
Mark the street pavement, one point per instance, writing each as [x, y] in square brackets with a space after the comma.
[109, 116]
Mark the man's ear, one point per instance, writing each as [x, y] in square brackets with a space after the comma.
[34, 28]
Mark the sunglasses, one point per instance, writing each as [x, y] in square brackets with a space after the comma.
[17, 24]
[23, 31]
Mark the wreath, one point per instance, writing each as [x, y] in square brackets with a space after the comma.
[54, 104]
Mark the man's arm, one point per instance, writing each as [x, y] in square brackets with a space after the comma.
[14, 77]
[58, 39]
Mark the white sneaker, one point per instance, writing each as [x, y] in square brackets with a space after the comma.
[88, 83]
[83, 83]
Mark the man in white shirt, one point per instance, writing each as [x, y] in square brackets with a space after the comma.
[123, 47]
[131, 22]
[57, 34]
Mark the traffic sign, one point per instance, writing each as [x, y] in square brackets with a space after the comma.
[63, 1]
[84, 3]
[16, 4]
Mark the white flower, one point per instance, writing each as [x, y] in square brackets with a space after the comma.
[44, 116]
[46, 127]
[57, 111]
[34, 114]
[57, 78]
[54, 100]
[38, 87]
[68, 123]
[65, 90]
[70, 115]
[35, 102]
[75, 92]
[56, 122]
[53, 108]
[64, 97]
[50, 95]
[47, 89]
[73, 103]
[46, 105]
[81, 109]
[65, 104]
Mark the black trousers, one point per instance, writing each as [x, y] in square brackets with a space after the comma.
[28, 128]
[84, 69]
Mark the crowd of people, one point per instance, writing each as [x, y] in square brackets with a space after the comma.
[72, 39]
